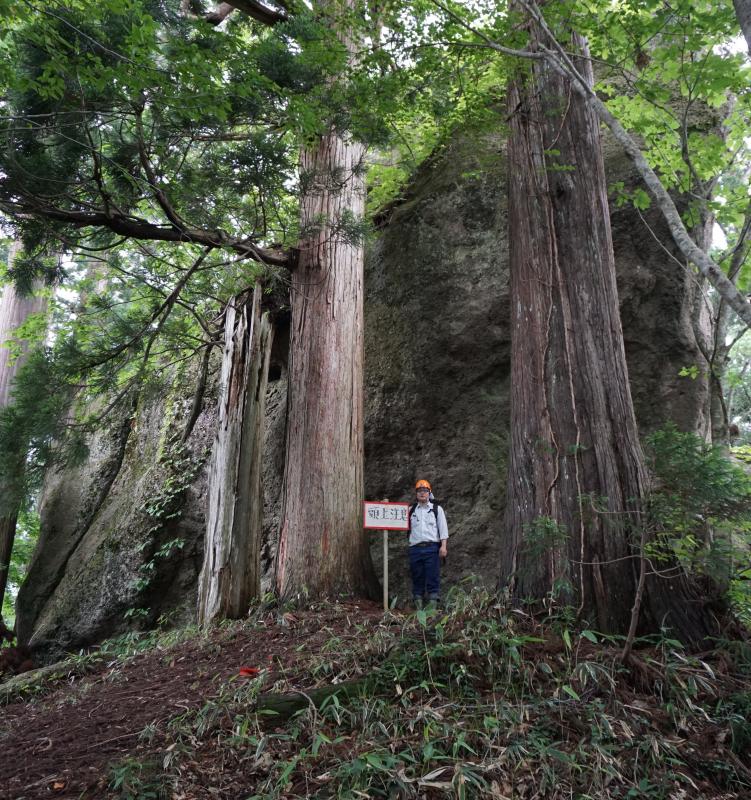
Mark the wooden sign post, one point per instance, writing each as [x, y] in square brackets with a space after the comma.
[385, 517]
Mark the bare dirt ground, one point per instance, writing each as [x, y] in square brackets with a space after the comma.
[63, 744]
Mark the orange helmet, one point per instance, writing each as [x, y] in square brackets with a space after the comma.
[423, 484]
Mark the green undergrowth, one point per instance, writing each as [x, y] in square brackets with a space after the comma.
[473, 700]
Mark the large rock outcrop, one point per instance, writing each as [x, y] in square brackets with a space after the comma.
[436, 392]
[121, 540]
[437, 357]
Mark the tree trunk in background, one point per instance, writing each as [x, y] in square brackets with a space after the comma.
[722, 410]
[323, 549]
[230, 577]
[717, 373]
[743, 12]
[14, 310]
[731, 391]
[708, 380]
[7, 537]
[577, 478]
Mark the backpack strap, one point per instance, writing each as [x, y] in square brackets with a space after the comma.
[409, 516]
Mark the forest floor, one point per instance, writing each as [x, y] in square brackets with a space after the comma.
[469, 701]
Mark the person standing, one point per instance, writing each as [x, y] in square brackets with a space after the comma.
[428, 544]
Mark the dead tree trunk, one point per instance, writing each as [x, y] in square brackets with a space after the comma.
[14, 310]
[322, 546]
[577, 478]
[230, 577]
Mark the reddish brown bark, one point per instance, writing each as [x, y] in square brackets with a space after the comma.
[323, 549]
[577, 478]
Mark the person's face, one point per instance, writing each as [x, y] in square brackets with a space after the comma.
[422, 495]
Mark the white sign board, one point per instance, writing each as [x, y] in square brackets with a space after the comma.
[385, 516]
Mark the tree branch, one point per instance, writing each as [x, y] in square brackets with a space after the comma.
[257, 11]
[139, 228]
[159, 194]
[219, 14]
[161, 313]
[267, 15]
[742, 246]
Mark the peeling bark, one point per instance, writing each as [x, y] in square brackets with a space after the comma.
[577, 476]
[556, 56]
[230, 577]
[323, 549]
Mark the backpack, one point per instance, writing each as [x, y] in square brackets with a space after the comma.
[412, 508]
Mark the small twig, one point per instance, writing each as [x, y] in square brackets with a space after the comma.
[114, 739]
[638, 597]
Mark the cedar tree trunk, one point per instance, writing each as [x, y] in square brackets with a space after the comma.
[323, 549]
[230, 577]
[14, 310]
[577, 478]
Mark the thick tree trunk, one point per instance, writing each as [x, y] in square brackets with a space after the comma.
[14, 310]
[577, 478]
[230, 577]
[323, 549]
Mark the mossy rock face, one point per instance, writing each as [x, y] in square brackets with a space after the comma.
[437, 350]
[98, 533]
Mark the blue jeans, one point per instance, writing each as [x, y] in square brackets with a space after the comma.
[425, 566]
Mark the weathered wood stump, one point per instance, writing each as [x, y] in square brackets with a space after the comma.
[285, 705]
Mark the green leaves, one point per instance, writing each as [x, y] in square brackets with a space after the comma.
[32, 421]
[701, 508]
